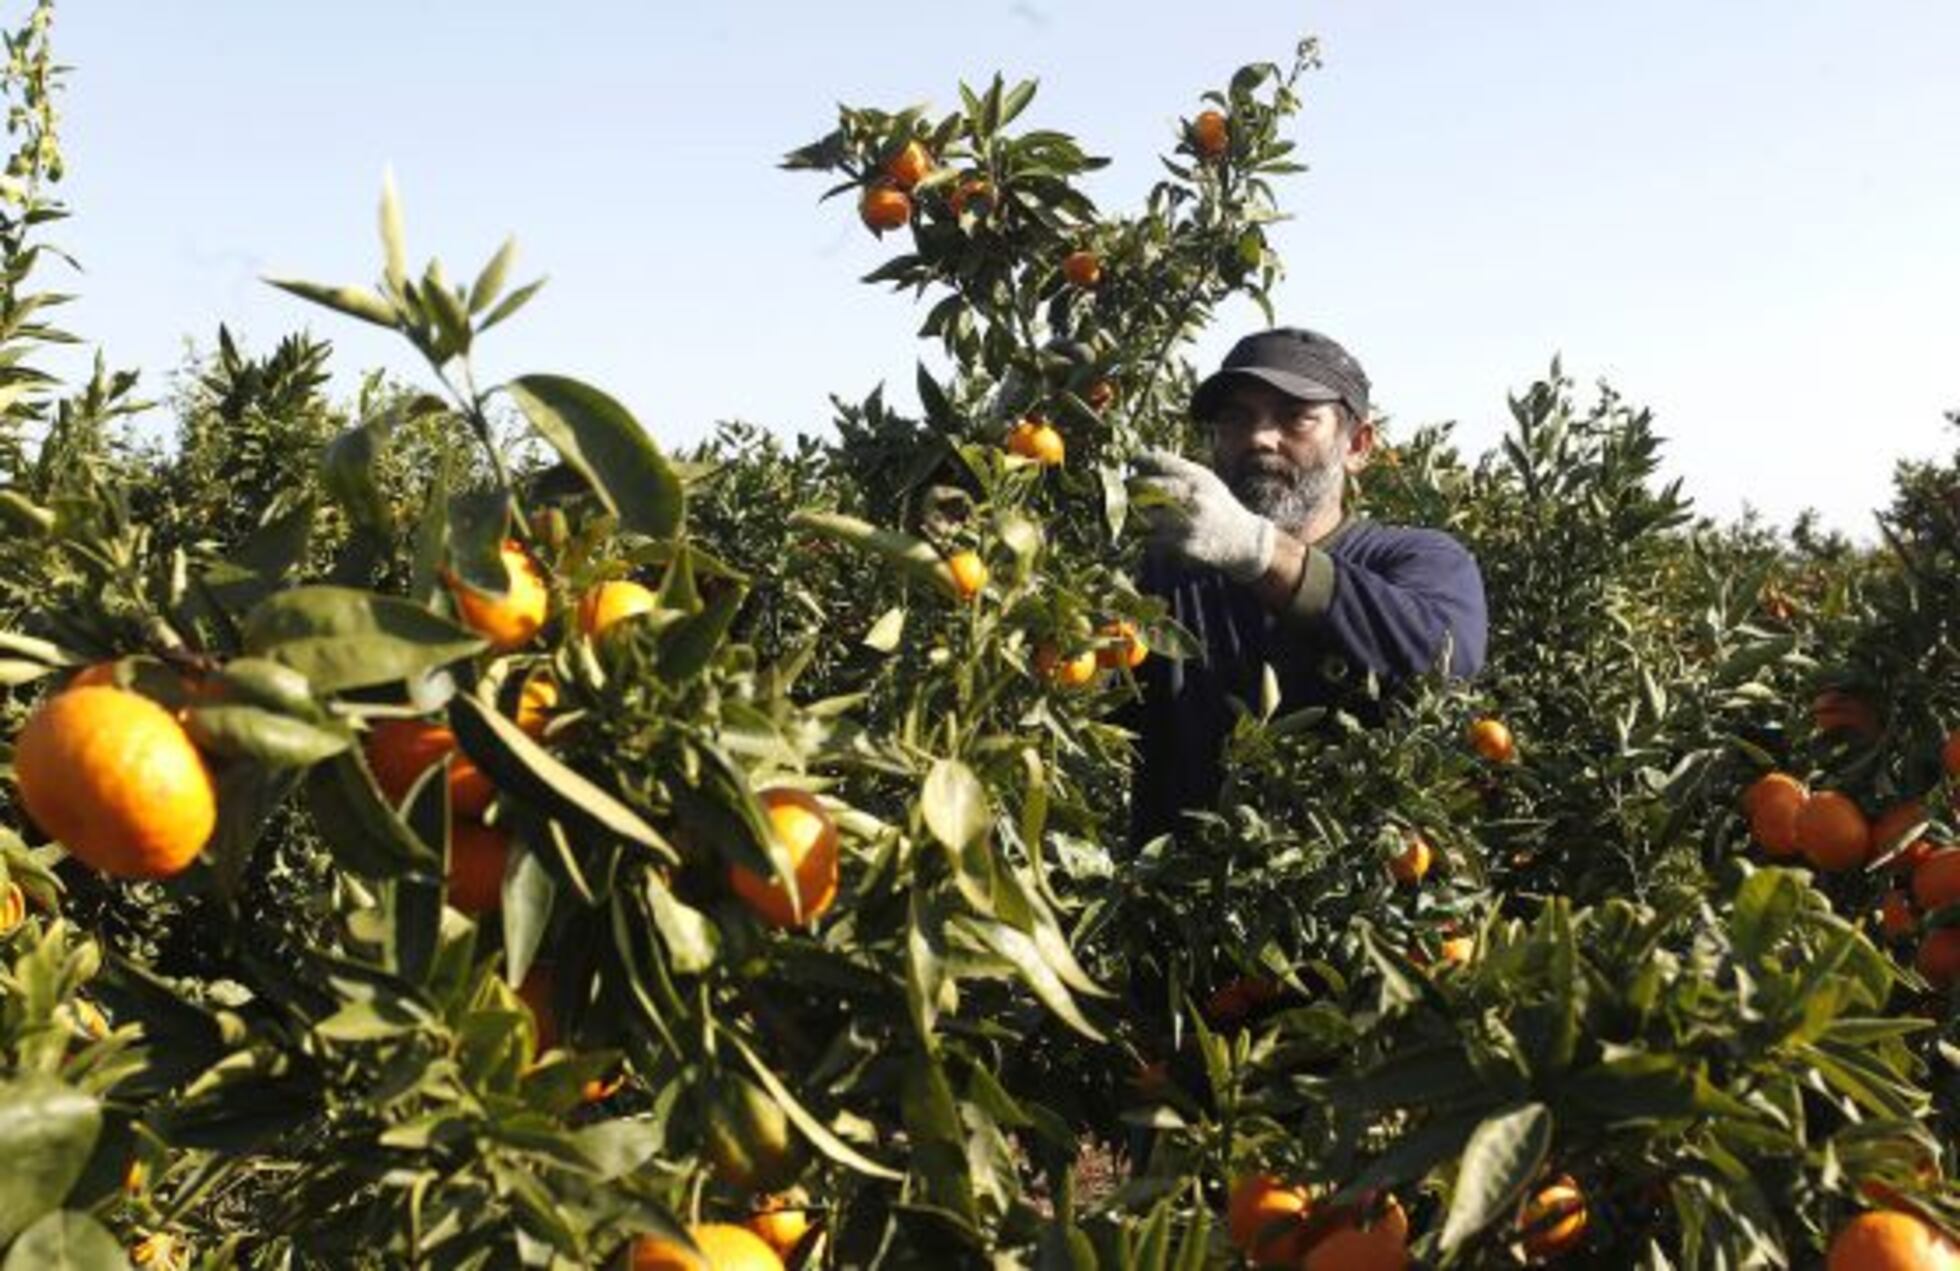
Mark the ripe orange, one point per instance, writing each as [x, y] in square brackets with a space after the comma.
[1263, 1217]
[13, 907]
[1082, 268]
[909, 166]
[1888, 1240]
[726, 1246]
[1772, 803]
[1037, 440]
[806, 832]
[1939, 957]
[610, 603]
[1365, 1239]
[1492, 739]
[782, 1224]
[969, 573]
[1832, 832]
[883, 208]
[508, 621]
[1456, 950]
[1073, 671]
[1936, 883]
[1894, 822]
[1101, 395]
[1414, 861]
[477, 855]
[1895, 916]
[114, 777]
[535, 701]
[598, 1090]
[1126, 647]
[1836, 711]
[1554, 1219]
[1209, 135]
[401, 750]
[969, 191]
[1950, 754]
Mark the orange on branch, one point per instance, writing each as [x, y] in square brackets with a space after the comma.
[1125, 649]
[1891, 824]
[511, 620]
[1037, 440]
[1554, 1219]
[724, 1247]
[969, 573]
[1101, 395]
[115, 779]
[1071, 671]
[781, 1224]
[1457, 950]
[1936, 883]
[1832, 832]
[909, 166]
[13, 907]
[1414, 861]
[399, 751]
[968, 192]
[1888, 1240]
[1895, 916]
[1836, 711]
[477, 858]
[807, 834]
[883, 208]
[1263, 1217]
[1367, 1237]
[1082, 268]
[1210, 135]
[1772, 803]
[1938, 958]
[1492, 739]
[611, 603]
[536, 700]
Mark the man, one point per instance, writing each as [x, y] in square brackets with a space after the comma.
[1258, 559]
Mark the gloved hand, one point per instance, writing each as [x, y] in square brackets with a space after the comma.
[1204, 521]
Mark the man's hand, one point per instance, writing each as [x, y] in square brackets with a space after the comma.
[1201, 520]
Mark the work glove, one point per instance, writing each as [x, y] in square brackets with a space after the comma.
[1193, 513]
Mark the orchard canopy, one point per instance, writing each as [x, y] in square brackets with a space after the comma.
[446, 827]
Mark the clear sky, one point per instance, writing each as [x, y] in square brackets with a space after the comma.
[1743, 214]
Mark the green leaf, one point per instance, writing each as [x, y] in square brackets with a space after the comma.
[529, 890]
[954, 804]
[393, 240]
[47, 1130]
[355, 302]
[340, 638]
[688, 933]
[1024, 955]
[519, 765]
[348, 470]
[66, 1240]
[688, 645]
[1765, 905]
[814, 1130]
[512, 303]
[886, 632]
[268, 737]
[600, 440]
[364, 834]
[490, 282]
[1502, 1157]
[478, 522]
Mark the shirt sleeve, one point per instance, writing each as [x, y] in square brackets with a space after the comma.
[1393, 608]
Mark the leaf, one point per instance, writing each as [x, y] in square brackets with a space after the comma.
[347, 468]
[478, 521]
[47, 1130]
[521, 766]
[1024, 955]
[886, 632]
[599, 439]
[361, 830]
[511, 304]
[814, 1130]
[490, 282]
[1766, 905]
[954, 804]
[393, 241]
[691, 938]
[528, 893]
[66, 1240]
[689, 645]
[1502, 1157]
[250, 732]
[342, 638]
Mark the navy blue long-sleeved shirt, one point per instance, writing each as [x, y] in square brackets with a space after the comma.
[1378, 598]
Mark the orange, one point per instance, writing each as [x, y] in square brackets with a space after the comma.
[726, 1246]
[1263, 1217]
[508, 621]
[1554, 1219]
[969, 191]
[1939, 957]
[1232, 1001]
[539, 992]
[1101, 395]
[909, 166]
[1892, 824]
[1073, 671]
[477, 854]
[1836, 711]
[1895, 916]
[1125, 648]
[1456, 950]
[93, 675]
[401, 750]
[1083, 269]
[1773, 802]
[1209, 135]
[598, 1090]
[158, 1249]
[535, 701]
[782, 1224]
[808, 835]
[610, 603]
[1036, 440]
[1364, 1239]
[1414, 861]
[883, 208]
[1832, 832]
[1936, 883]
[1887, 1240]
[1950, 754]
[13, 908]
[114, 777]
[969, 573]
[1491, 738]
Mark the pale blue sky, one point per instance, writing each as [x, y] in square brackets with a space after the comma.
[1744, 214]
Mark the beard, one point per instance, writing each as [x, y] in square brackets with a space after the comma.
[1286, 493]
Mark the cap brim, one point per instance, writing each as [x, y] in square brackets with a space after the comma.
[1205, 401]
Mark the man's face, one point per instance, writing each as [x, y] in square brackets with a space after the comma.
[1284, 458]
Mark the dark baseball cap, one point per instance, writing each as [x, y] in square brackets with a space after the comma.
[1302, 364]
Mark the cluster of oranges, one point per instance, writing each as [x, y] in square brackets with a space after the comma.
[763, 1243]
[1277, 1224]
[887, 201]
[1829, 830]
[1121, 647]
